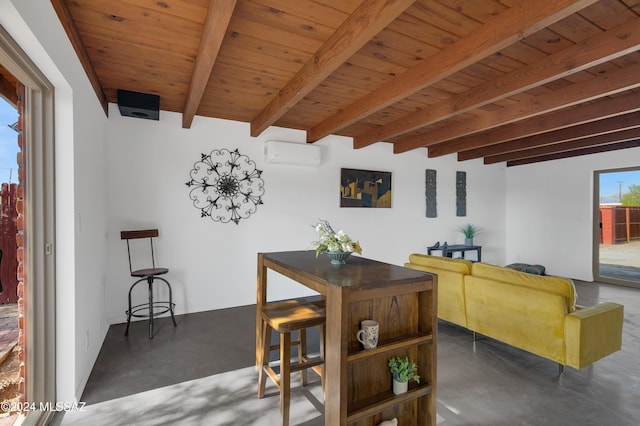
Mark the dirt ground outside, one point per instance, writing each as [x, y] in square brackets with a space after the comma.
[620, 261]
[9, 357]
[625, 254]
[10, 380]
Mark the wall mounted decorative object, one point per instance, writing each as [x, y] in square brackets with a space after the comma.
[365, 188]
[226, 186]
[430, 193]
[461, 193]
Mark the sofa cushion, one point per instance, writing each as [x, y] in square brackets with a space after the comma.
[525, 317]
[525, 267]
[461, 266]
[556, 285]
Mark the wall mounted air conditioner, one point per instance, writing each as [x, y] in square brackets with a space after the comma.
[298, 154]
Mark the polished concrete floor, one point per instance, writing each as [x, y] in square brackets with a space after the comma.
[202, 344]
[479, 383]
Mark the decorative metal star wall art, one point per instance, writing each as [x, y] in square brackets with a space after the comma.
[226, 186]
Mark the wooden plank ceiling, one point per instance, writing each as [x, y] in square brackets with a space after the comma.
[503, 80]
[8, 87]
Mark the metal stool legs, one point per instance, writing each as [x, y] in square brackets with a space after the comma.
[148, 309]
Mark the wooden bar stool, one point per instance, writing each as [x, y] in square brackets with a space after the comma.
[285, 317]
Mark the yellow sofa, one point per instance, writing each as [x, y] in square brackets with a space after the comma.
[532, 312]
[451, 273]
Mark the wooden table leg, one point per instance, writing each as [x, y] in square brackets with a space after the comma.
[261, 300]
[335, 362]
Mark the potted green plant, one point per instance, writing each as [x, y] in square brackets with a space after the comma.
[469, 231]
[402, 370]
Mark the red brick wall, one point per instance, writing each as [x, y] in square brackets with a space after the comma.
[9, 263]
[20, 243]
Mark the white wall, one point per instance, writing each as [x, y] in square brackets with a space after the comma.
[213, 264]
[81, 204]
[550, 211]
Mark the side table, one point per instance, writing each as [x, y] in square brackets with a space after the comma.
[449, 250]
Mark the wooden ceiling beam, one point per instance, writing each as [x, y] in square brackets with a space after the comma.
[508, 27]
[455, 138]
[588, 53]
[579, 114]
[371, 17]
[598, 87]
[594, 128]
[64, 14]
[215, 27]
[603, 139]
[575, 153]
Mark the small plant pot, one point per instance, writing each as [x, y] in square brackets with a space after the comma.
[468, 241]
[400, 387]
[338, 258]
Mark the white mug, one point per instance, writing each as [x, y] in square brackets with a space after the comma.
[368, 334]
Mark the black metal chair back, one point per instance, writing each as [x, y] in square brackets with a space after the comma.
[139, 234]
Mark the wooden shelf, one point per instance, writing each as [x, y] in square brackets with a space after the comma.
[404, 302]
[390, 346]
[377, 403]
[362, 362]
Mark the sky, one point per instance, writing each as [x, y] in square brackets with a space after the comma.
[8, 143]
[610, 182]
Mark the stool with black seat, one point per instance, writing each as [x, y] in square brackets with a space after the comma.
[152, 308]
[286, 317]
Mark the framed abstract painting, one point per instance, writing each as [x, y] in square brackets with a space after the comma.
[365, 188]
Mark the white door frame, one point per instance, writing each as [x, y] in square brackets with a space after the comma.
[597, 227]
[39, 224]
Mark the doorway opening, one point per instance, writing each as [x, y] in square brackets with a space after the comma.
[617, 240]
[34, 239]
[11, 352]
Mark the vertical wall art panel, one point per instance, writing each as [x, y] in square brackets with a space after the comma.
[461, 193]
[430, 193]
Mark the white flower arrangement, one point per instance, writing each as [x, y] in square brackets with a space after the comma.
[331, 241]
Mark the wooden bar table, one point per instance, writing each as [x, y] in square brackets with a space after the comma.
[357, 381]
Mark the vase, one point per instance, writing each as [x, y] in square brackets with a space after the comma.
[400, 387]
[468, 241]
[338, 257]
